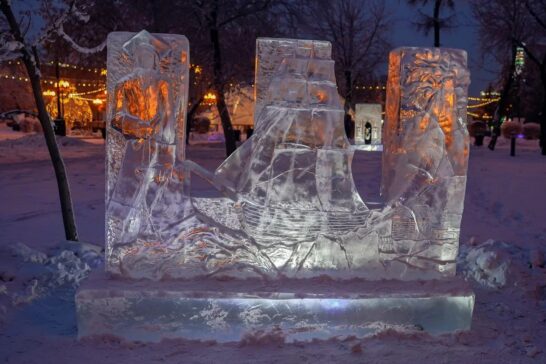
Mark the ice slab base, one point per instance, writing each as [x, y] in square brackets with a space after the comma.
[368, 148]
[302, 310]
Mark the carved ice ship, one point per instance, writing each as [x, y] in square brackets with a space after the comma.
[293, 178]
[292, 245]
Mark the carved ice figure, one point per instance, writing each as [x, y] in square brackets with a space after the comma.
[147, 88]
[426, 155]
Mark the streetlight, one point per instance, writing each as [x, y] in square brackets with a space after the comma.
[60, 125]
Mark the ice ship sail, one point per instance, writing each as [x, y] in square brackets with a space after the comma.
[293, 176]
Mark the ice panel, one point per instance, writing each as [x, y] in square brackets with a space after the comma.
[300, 310]
[147, 97]
[291, 206]
[270, 53]
[426, 148]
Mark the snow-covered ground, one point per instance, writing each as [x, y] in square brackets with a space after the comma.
[503, 242]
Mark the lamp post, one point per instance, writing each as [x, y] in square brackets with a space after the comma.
[60, 125]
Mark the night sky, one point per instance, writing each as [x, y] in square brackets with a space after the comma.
[463, 36]
[404, 33]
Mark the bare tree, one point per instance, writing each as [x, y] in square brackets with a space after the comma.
[215, 19]
[357, 30]
[222, 35]
[536, 51]
[15, 44]
[434, 22]
[505, 25]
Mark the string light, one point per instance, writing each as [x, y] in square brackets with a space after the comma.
[94, 101]
[89, 92]
[482, 104]
[484, 116]
[209, 97]
[51, 81]
[481, 98]
[102, 71]
[374, 87]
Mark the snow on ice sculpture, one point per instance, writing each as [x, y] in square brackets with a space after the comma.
[426, 156]
[145, 193]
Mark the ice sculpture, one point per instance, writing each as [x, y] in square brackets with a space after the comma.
[147, 98]
[291, 207]
[426, 155]
[368, 124]
[290, 210]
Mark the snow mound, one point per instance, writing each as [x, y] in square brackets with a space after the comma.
[496, 265]
[33, 275]
[38, 140]
[274, 336]
[27, 254]
[488, 264]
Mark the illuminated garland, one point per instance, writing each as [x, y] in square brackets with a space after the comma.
[482, 104]
[363, 87]
[101, 71]
[94, 101]
[88, 92]
[481, 98]
[485, 101]
[14, 77]
[51, 81]
[479, 116]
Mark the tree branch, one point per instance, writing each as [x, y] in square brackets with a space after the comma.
[241, 13]
[535, 15]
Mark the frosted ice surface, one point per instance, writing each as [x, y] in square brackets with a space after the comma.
[293, 178]
[147, 97]
[270, 52]
[426, 153]
[291, 207]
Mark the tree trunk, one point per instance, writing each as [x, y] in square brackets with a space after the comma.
[513, 146]
[543, 116]
[348, 122]
[56, 159]
[229, 135]
[437, 5]
[58, 78]
[499, 111]
[219, 88]
[189, 118]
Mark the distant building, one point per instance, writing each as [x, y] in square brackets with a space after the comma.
[368, 124]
